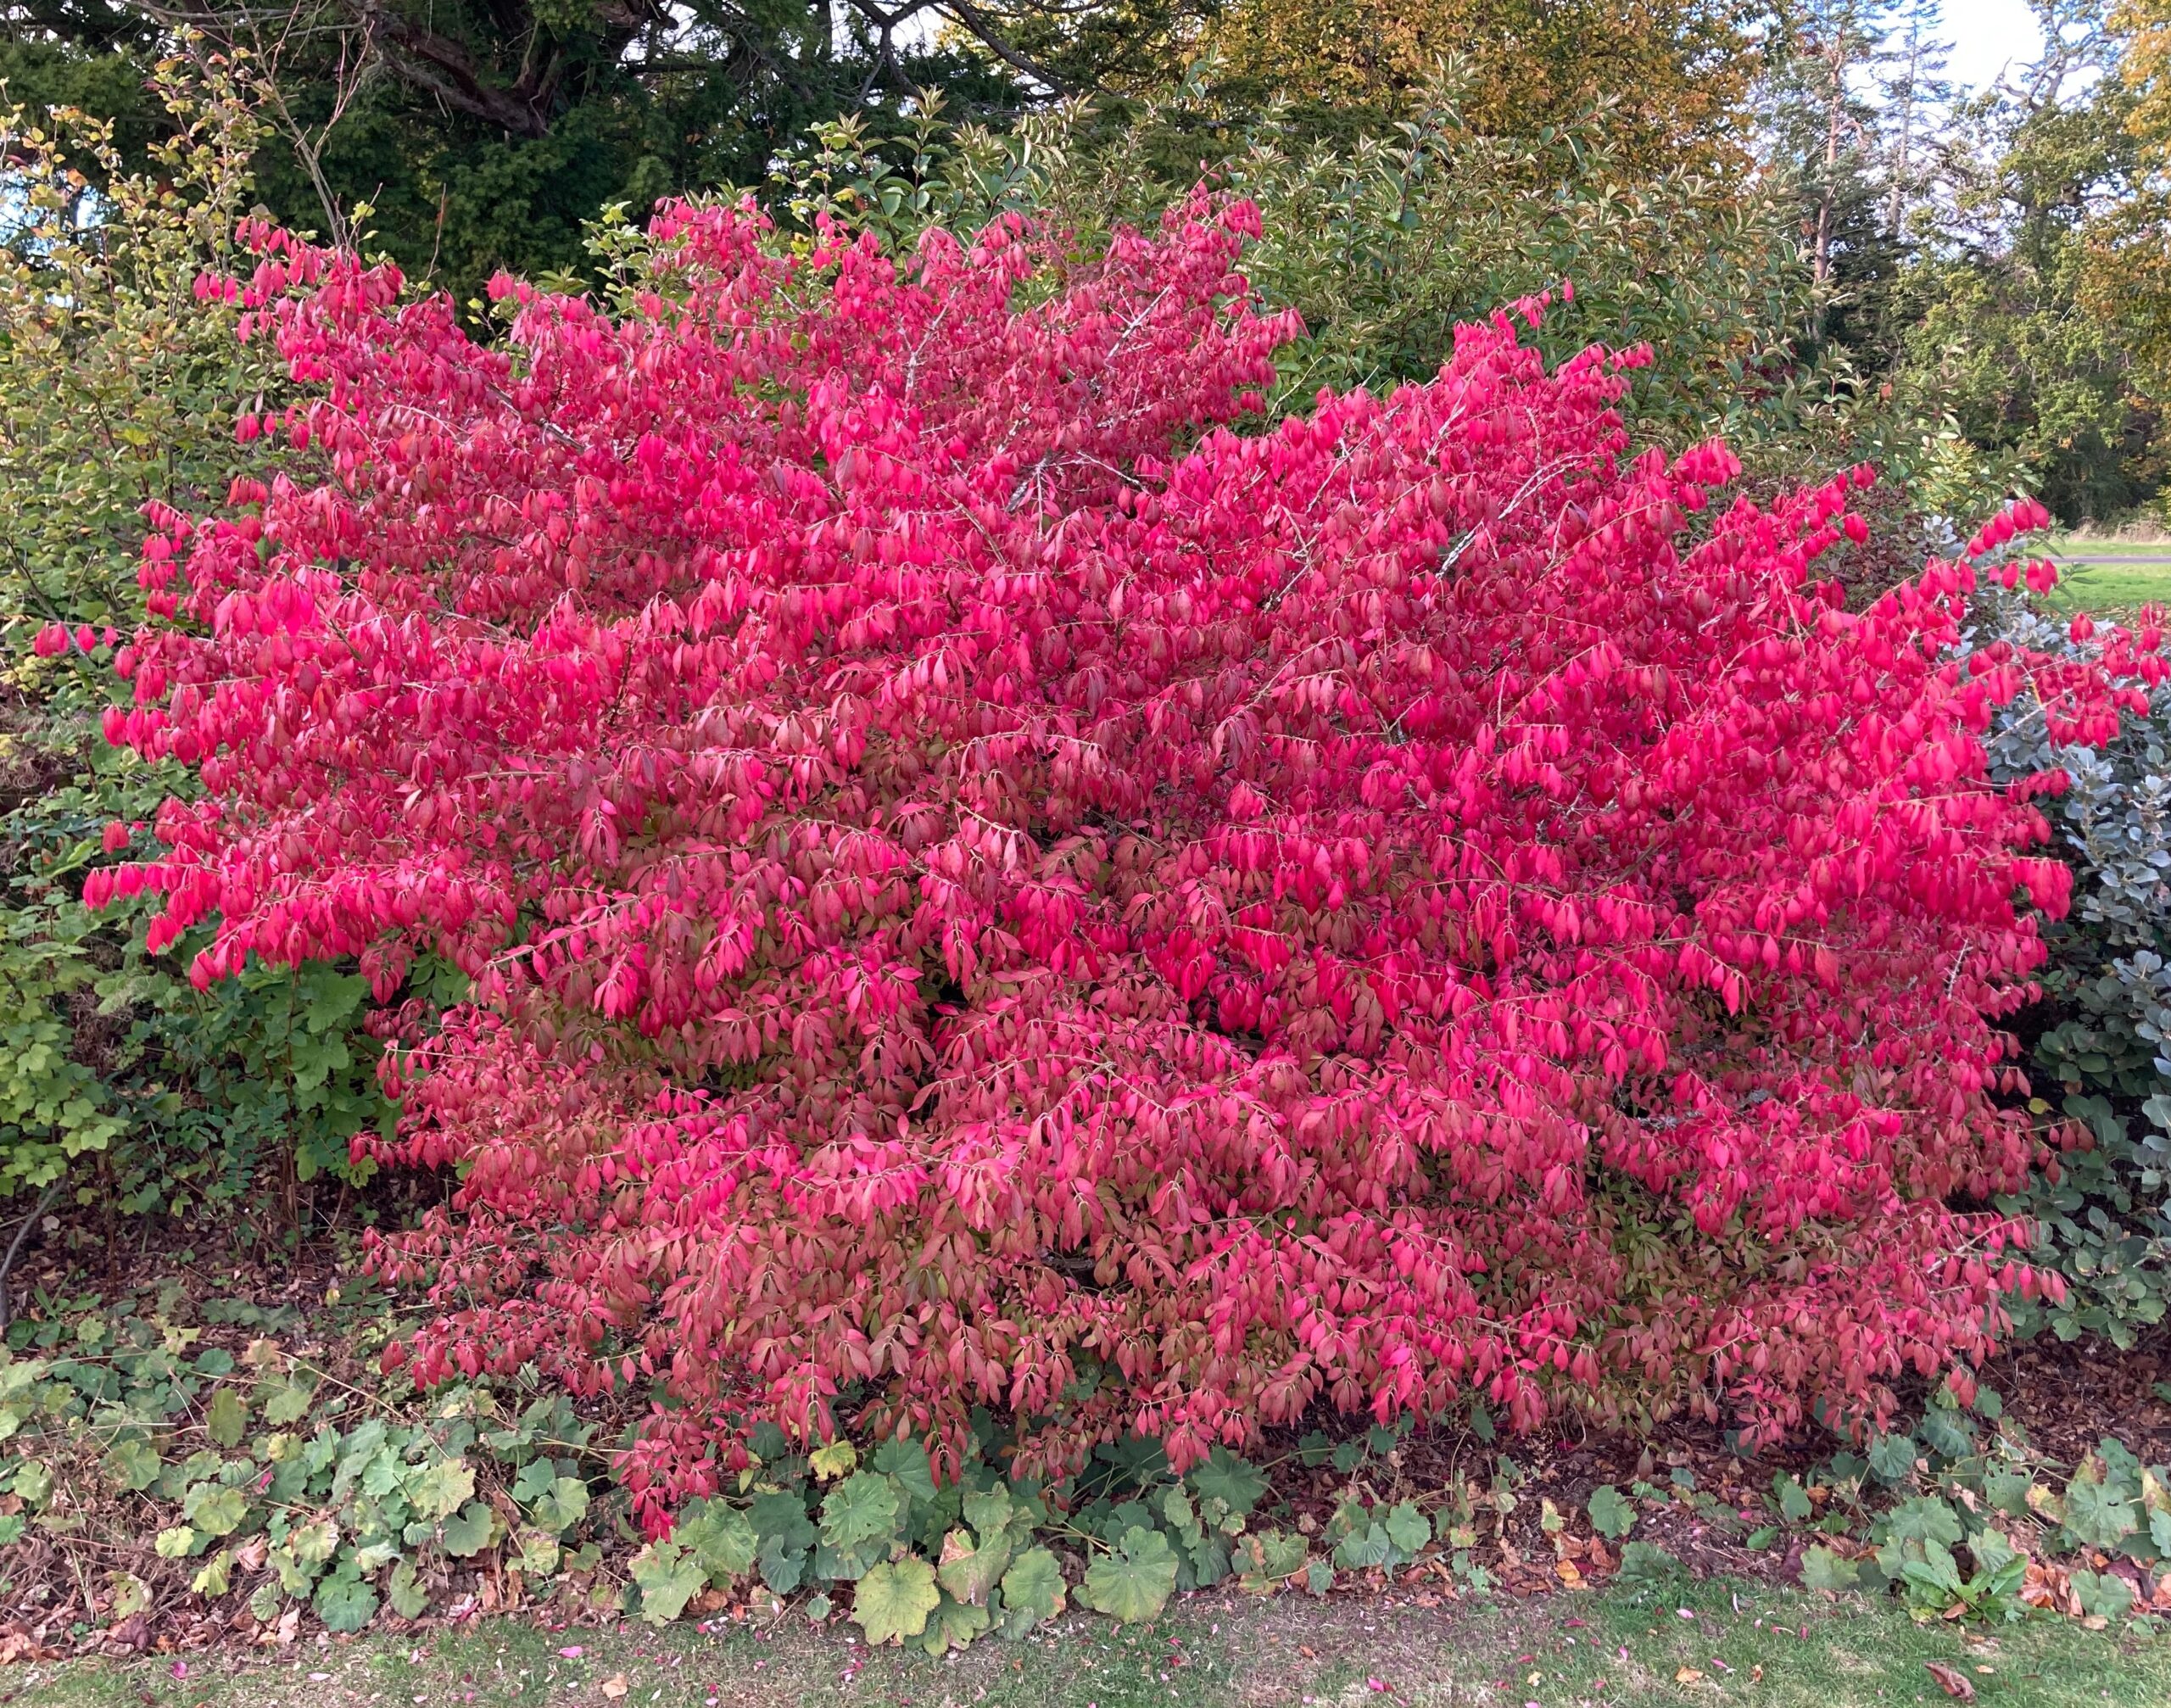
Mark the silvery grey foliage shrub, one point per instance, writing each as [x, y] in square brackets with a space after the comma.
[2103, 1060]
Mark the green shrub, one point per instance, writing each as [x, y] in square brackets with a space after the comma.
[2100, 1064]
[117, 388]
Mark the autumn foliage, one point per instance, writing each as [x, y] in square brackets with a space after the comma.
[987, 885]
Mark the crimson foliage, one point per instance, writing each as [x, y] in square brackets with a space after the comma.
[985, 885]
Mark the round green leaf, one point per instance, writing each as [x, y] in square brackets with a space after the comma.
[314, 1544]
[1228, 1479]
[474, 1529]
[862, 1507]
[953, 1625]
[1611, 1515]
[894, 1600]
[1892, 1457]
[1133, 1581]
[440, 1490]
[669, 1578]
[344, 1603]
[216, 1576]
[970, 1570]
[133, 1465]
[1823, 1569]
[561, 1506]
[287, 1404]
[405, 1591]
[832, 1461]
[225, 1419]
[215, 1510]
[1408, 1529]
[906, 1461]
[538, 1551]
[1032, 1590]
[34, 1481]
[722, 1536]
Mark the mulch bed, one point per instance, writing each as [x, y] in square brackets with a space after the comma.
[2065, 1397]
[2069, 1396]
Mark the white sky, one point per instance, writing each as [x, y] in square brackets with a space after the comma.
[1986, 35]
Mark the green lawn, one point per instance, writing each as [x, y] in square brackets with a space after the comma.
[2110, 587]
[2103, 575]
[1690, 1644]
[2084, 545]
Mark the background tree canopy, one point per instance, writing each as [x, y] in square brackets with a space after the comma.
[1673, 75]
[482, 135]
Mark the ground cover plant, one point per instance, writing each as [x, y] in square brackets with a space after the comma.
[986, 889]
[186, 1473]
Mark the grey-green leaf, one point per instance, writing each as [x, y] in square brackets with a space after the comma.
[1133, 1580]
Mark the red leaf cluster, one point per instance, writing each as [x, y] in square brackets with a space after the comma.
[986, 885]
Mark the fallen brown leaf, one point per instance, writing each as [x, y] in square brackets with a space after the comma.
[19, 1644]
[615, 1686]
[1688, 1675]
[1951, 1680]
[2048, 1585]
[131, 1634]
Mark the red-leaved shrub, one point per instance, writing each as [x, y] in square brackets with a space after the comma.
[984, 885]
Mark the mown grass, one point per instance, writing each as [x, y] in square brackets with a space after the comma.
[2097, 547]
[1673, 1647]
[2111, 588]
[2102, 576]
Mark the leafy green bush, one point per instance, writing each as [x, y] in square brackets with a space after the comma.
[118, 388]
[2101, 1062]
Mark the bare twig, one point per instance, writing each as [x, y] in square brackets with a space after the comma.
[22, 1233]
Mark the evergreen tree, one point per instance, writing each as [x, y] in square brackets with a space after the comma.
[1992, 317]
[1824, 131]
